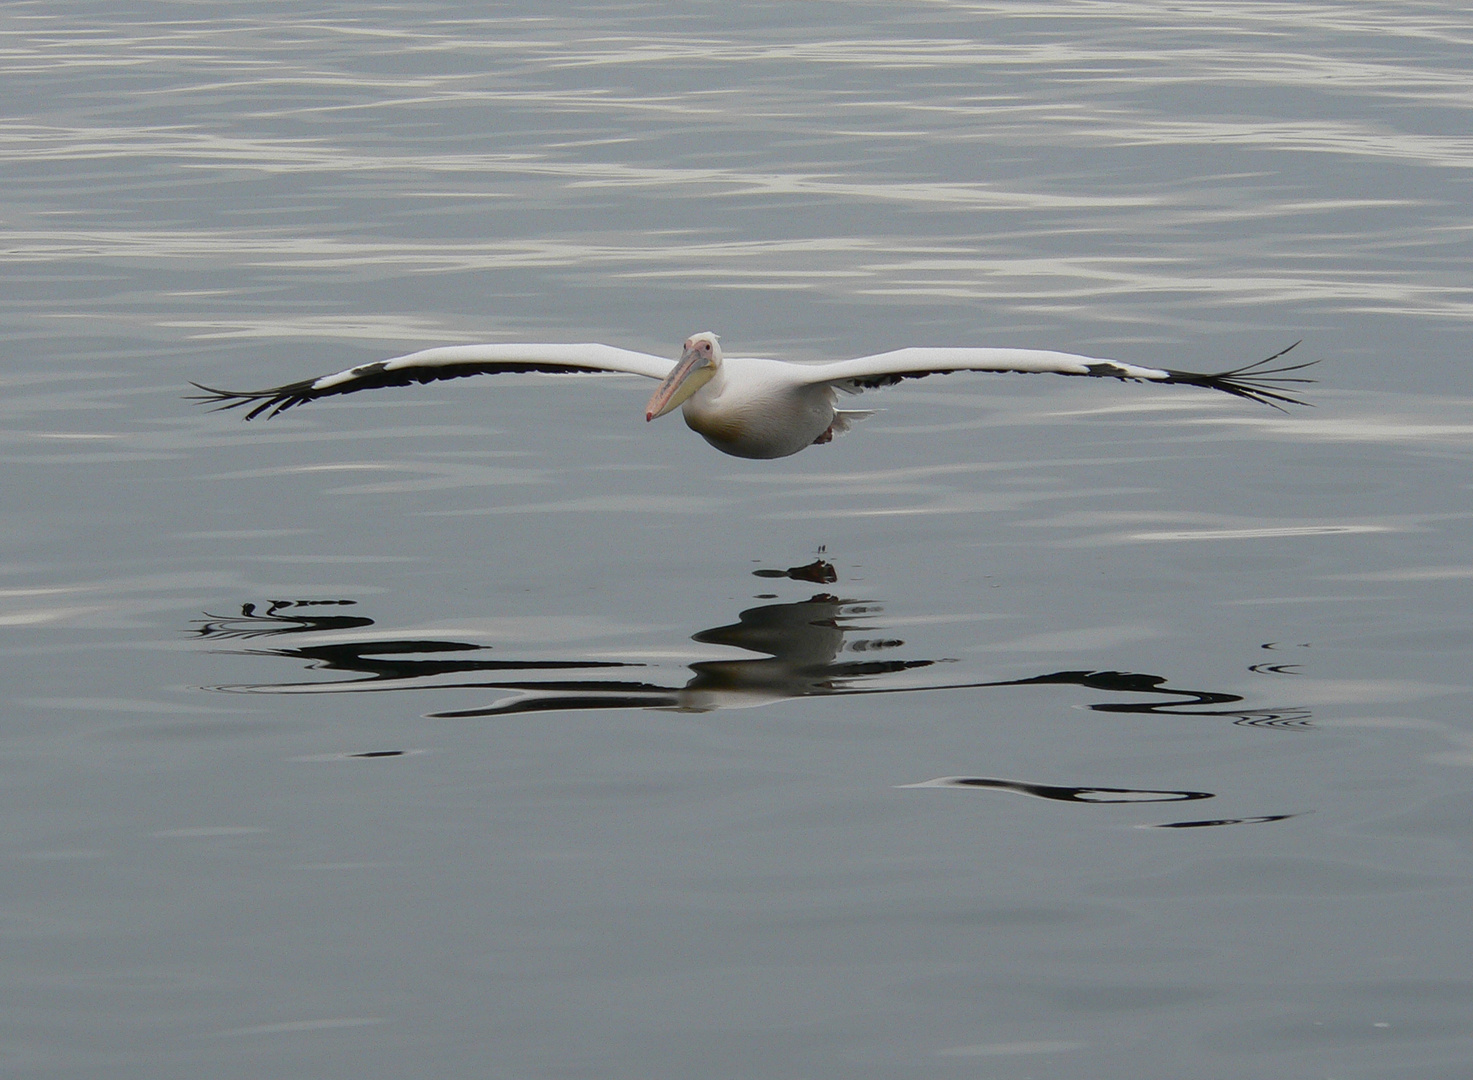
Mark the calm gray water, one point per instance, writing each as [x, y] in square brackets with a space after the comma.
[1033, 729]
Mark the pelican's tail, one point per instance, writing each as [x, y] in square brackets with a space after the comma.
[844, 419]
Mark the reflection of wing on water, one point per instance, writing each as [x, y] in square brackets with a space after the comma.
[1065, 794]
[1100, 796]
[1186, 702]
[281, 617]
[799, 647]
[801, 642]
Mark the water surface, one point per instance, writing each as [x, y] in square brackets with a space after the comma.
[481, 729]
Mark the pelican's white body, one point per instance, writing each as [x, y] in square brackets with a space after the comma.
[752, 408]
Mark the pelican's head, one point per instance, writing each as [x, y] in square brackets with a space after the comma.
[698, 364]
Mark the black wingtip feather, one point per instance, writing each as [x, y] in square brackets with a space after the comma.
[270, 402]
[1253, 382]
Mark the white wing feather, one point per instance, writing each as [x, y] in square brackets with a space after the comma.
[889, 367]
[1252, 381]
[446, 362]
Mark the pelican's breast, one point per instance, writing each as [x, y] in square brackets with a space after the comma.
[719, 427]
[754, 409]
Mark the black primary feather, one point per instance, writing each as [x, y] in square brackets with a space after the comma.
[1267, 386]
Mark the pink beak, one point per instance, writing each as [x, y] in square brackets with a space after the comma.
[668, 395]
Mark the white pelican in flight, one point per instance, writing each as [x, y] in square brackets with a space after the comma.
[748, 406]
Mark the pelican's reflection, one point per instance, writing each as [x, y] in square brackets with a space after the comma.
[820, 647]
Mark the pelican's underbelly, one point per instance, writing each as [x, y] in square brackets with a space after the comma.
[766, 424]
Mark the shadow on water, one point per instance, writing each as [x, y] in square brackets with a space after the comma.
[824, 646]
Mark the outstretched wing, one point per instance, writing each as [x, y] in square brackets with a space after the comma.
[1256, 382]
[447, 362]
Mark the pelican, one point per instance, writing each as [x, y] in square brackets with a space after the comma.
[748, 406]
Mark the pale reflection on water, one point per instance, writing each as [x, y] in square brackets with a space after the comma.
[957, 149]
